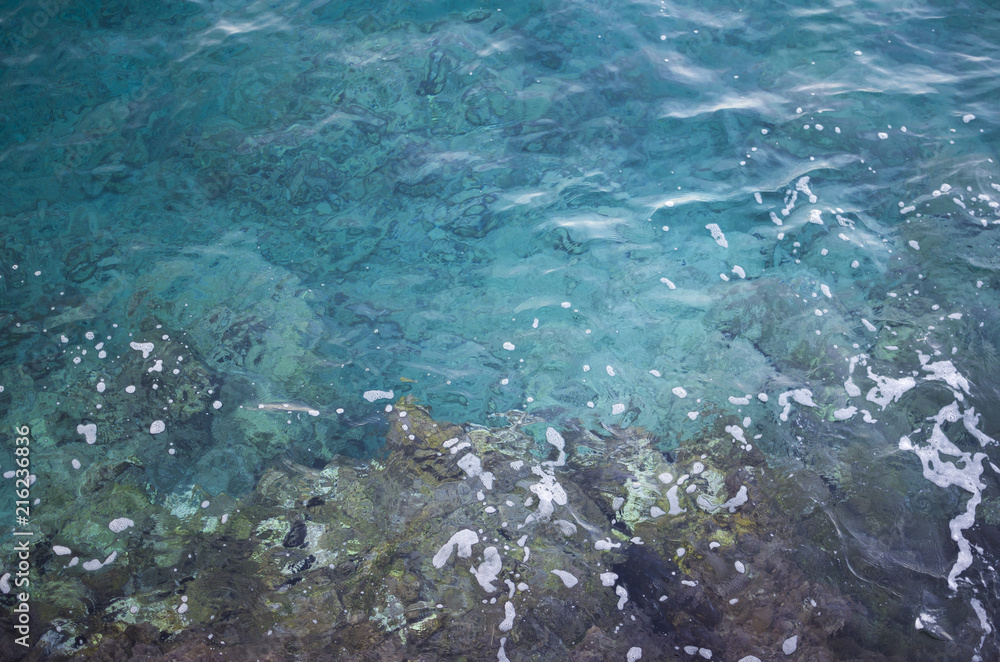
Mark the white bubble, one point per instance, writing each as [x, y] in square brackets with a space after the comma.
[156, 427]
[373, 395]
[89, 432]
[120, 524]
[144, 347]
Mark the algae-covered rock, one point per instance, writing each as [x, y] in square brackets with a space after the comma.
[459, 542]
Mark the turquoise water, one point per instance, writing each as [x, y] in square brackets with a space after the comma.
[773, 224]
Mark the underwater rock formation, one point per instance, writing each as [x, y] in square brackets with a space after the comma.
[516, 542]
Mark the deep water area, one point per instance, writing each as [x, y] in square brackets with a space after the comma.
[541, 330]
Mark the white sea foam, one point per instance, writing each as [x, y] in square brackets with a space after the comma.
[144, 347]
[675, 506]
[716, 231]
[803, 185]
[622, 594]
[508, 622]
[553, 437]
[488, 570]
[120, 524]
[89, 432]
[802, 396]
[464, 540]
[946, 473]
[888, 389]
[845, 413]
[568, 579]
[373, 395]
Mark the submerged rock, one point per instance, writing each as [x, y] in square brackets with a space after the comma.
[588, 545]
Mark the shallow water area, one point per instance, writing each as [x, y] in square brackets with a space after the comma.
[343, 331]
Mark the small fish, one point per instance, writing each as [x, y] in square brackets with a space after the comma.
[407, 379]
[376, 418]
[287, 406]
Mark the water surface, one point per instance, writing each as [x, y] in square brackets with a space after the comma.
[767, 225]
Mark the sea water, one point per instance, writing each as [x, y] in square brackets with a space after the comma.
[238, 233]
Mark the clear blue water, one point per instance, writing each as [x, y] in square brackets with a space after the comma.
[677, 217]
